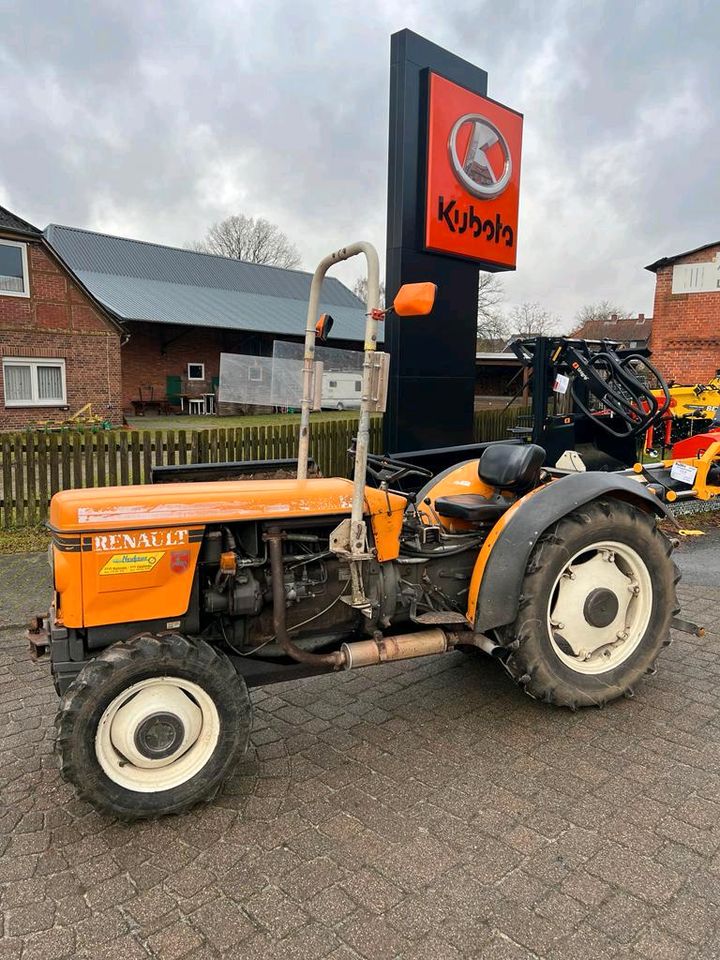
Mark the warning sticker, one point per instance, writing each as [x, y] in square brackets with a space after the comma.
[131, 563]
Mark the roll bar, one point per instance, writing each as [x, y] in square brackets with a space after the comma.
[358, 533]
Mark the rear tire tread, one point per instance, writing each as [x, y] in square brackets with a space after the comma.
[527, 666]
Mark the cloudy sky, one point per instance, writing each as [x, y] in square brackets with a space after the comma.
[152, 120]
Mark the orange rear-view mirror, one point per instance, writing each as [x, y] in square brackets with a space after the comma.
[323, 327]
[415, 299]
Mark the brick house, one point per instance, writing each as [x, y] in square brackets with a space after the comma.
[181, 309]
[59, 347]
[685, 338]
[632, 333]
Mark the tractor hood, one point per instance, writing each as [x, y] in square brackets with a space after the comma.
[112, 508]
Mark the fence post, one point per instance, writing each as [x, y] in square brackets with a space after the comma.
[89, 449]
[54, 457]
[42, 472]
[77, 459]
[8, 499]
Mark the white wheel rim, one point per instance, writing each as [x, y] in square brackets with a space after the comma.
[580, 636]
[157, 734]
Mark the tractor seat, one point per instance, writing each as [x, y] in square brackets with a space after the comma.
[472, 506]
[504, 466]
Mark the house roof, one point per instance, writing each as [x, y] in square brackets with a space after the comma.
[667, 261]
[11, 223]
[158, 284]
[624, 329]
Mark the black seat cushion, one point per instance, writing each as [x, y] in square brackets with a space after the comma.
[509, 466]
[472, 506]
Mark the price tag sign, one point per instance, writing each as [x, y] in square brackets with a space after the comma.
[561, 383]
[683, 472]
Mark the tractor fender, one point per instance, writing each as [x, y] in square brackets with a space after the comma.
[494, 594]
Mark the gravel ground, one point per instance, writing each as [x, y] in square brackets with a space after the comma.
[423, 811]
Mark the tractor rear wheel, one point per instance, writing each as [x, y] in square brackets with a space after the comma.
[596, 606]
[152, 726]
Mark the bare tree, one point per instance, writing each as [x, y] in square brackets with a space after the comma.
[360, 290]
[491, 322]
[250, 239]
[530, 320]
[597, 314]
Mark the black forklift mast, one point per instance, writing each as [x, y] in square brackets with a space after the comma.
[604, 407]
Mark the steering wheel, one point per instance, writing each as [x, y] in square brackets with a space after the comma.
[387, 470]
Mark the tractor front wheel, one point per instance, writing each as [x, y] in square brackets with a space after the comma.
[596, 606]
[152, 726]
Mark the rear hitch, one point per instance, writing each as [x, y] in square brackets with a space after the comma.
[38, 638]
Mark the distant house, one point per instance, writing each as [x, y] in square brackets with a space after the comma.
[59, 346]
[181, 309]
[686, 329]
[498, 372]
[631, 332]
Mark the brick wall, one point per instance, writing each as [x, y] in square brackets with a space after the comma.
[685, 339]
[155, 352]
[59, 321]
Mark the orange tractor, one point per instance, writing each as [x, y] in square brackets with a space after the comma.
[171, 601]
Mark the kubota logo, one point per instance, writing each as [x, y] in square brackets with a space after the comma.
[472, 189]
[486, 167]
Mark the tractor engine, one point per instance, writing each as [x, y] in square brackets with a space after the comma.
[235, 586]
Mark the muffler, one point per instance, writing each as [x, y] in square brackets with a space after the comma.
[405, 646]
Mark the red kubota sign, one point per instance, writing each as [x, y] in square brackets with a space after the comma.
[473, 175]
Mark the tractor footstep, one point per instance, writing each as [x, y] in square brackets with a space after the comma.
[441, 618]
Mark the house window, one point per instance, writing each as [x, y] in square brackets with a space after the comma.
[196, 371]
[13, 269]
[34, 383]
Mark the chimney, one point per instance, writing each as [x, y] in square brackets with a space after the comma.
[641, 318]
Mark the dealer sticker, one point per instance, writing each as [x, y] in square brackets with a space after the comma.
[683, 472]
[561, 383]
[131, 563]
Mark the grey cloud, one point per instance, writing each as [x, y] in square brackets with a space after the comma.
[155, 119]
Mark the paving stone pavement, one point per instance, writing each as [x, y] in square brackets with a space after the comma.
[422, 811]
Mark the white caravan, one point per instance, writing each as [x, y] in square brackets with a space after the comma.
[341, 391]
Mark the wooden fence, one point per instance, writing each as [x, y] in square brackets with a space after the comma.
[34, 466]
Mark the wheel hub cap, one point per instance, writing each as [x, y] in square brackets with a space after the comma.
[601, 607]
[159, 735]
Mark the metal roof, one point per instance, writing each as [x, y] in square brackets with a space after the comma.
[489, 355]
[158, 284]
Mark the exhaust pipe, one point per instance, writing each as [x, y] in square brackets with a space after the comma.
[367, 653]
[363, 653]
